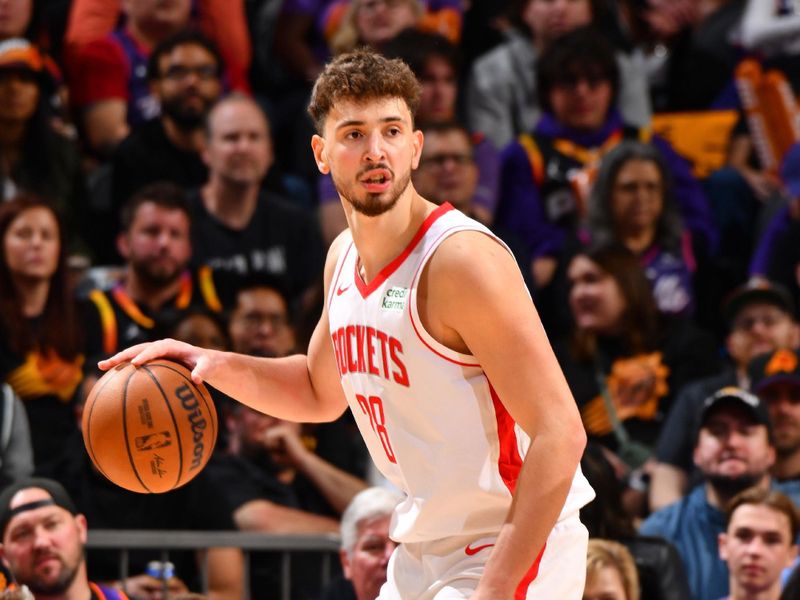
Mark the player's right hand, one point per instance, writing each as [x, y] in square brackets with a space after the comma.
[197, 360]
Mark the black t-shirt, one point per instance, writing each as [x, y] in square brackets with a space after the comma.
[281, 241]
[682, 353]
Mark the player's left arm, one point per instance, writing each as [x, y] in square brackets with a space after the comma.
[476, 299]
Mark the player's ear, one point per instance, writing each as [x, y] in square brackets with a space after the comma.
[320, 156]
[417, 141]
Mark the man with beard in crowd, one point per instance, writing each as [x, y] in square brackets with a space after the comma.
[157, 287]
[734, 450]
[43, 538]
[185, 75]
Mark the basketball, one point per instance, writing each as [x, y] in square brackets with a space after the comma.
[149, 429]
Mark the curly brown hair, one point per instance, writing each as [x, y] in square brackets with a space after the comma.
[362, 75]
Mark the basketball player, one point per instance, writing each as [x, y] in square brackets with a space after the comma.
[430, 336]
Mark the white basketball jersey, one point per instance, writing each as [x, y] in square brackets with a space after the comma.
[432, 421]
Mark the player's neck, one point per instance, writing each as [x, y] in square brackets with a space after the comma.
[232, 205]
[379, 240]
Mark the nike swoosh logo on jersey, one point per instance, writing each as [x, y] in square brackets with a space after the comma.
[472, 551]
[342, 290]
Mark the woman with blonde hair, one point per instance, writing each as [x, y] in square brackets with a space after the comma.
[610, 572]
[374, 22]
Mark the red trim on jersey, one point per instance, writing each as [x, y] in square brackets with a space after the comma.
[522, 588]
[414, 280]
[431, 348]
[366, 289]
[509, 462]
[335, 281]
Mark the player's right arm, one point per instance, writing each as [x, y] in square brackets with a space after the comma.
[302, 388]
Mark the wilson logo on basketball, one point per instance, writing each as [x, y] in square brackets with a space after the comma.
[192, 406]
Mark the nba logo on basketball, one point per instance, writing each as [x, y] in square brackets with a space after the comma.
[153, 441]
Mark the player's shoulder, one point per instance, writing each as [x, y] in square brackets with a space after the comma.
[472, 250]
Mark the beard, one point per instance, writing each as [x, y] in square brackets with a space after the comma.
[59, 586]
[728, 487]
[153, 276]
[185, 117]
[371, 205]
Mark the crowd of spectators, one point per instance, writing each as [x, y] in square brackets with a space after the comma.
[156, 180]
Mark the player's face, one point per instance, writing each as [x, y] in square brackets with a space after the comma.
[731, 446]
[19, 95]
[447, 171]
[378, 21]
[549, 19]
[757, 546]
[260, 325]
[595, 298]
[369, 148]
[239, 148]
[604, 583]
[15, 16]
[44, 546]
[157, 245]
[758, 328]
[366, 565]
[32, 245]
[783, 402]
[439, 91]
[581, 102]
[188, 84]
[637, 197]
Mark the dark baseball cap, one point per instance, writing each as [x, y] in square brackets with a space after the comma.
[58, 497]
[735, 396]
[757, 290]
[779, 365]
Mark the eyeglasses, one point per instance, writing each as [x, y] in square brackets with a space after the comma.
[439, 160]
[181, 72]
[257, 319]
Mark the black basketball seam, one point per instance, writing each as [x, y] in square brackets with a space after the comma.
[174, 421]
[125, 431]
[88, 425]
[199, 393]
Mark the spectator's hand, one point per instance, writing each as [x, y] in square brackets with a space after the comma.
[285, 445]
[151, 588]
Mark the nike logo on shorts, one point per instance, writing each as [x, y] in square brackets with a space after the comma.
[469, 551]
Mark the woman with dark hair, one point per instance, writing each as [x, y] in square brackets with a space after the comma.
[40, 347]
[34, 156]
[624, 360]
[632, 204]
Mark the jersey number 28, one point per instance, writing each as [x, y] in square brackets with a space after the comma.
[373, 408]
